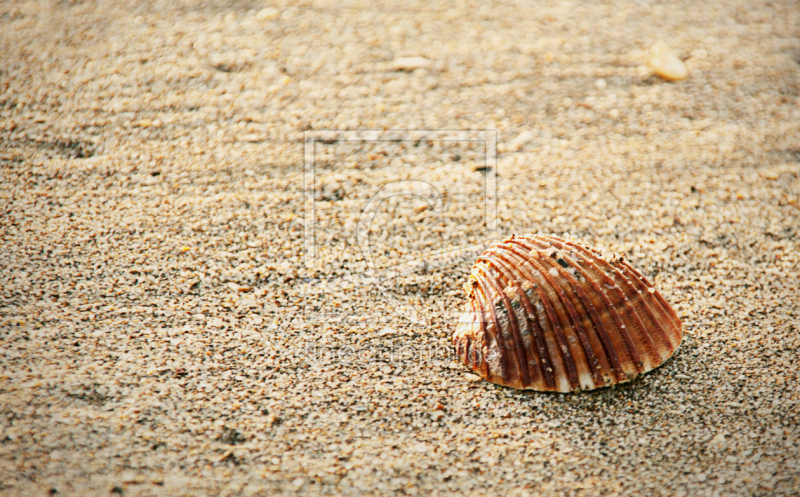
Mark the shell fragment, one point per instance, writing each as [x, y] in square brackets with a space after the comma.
[666, 64]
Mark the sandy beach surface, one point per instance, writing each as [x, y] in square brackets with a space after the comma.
[162, 334]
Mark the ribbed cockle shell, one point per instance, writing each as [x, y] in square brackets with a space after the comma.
[555, 315]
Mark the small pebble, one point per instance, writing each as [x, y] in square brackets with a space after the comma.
[521, 139]
[666, 64]
[268, 13]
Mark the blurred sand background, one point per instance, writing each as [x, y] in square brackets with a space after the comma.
[152, 339]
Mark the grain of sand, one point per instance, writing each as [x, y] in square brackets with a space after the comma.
[152, 332]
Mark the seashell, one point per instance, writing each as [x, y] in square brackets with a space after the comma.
[666, 64]
[550, 314]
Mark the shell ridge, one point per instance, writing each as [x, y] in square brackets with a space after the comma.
[657, 333]
[465, 346]
[664, 306]
[504, 369]
[590, 356]
[519, 351]
[539, 348]
[631, 300]
[603, 332]
[478, 297]
[627, 341]
[630, 310]
[637, 307]
[600, 330]
[472, 341]
[558, 333]
[544, 356]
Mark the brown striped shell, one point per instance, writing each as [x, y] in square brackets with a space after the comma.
[555, 315]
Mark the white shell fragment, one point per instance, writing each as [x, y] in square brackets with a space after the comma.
[666, 64]
[410, 63]
[550, 314]
[521, 140]
[268, 13]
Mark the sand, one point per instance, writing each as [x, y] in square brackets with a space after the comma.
[162, 334]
